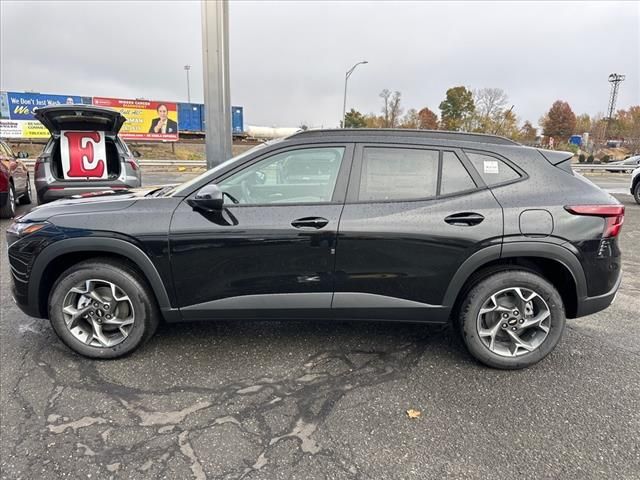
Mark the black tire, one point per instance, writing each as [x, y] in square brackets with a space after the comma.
[482, 291]
[8, 210]
[146, 316]
[25, 199]
[636, 193]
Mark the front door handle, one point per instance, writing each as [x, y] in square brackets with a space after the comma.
[466, 219]
[310, 222]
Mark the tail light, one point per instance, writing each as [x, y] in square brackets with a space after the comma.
[612, 214]
[4, 178]
[132, 161]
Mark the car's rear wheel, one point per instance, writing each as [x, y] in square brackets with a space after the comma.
[636, 193]
[512, 319]
[8, 210]
[25, 199]
[102, 309]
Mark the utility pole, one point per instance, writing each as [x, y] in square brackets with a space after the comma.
[615, 79]
[217, 99]
[186, 69]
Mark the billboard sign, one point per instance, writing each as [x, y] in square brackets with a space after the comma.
[17, 109]
[146, 119]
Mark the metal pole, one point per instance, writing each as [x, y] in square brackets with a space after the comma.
[344, 101]
[187, 68]
[217, 100]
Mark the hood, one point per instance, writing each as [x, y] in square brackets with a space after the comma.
[103, 201]
[80, 117]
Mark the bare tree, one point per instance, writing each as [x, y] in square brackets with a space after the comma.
[490, 102]
[391, 110]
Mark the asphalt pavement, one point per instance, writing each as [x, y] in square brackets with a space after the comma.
[271, 400]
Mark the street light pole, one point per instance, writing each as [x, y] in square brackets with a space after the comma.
[186, 69]
[344, 101]
[217, 100]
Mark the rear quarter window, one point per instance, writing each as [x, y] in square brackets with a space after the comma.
[492, 170]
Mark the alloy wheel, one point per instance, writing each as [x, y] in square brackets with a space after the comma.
[12, 200]
[98, 313]
[514, 321]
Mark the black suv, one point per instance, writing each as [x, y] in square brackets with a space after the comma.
[503, 240]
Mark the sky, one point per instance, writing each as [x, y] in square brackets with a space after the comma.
[288, 59]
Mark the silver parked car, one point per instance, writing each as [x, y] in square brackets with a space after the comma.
[123, 171]
[631, 162]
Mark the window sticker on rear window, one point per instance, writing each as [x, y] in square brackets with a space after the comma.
[491, 166]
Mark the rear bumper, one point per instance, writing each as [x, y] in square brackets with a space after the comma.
[590, 305]
[50, 193]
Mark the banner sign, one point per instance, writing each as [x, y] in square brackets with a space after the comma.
[146, 119]
[17, 109]
[83, 155]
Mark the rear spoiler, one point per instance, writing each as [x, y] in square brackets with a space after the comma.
[559, 159]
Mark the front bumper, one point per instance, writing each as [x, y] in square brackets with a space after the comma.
[590, 305]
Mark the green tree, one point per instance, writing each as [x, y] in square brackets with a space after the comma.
[456, 109]
[560, 121]
[428, 119]
[354, 119]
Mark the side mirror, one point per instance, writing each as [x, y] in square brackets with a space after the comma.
[136, 154]
[208, 199]
[23, 155]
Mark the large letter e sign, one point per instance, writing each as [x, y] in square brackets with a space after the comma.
[83, 155]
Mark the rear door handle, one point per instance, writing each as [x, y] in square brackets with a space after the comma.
[310, 222]
[466, 219]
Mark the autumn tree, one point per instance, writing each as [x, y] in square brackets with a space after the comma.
[456, 109]
[391, 110]
[528, 133]
[428, 119]
[583, 123]
[560, 121]
[354, 119]
[410, 119]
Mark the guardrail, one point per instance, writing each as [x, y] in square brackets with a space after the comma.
[602, 167]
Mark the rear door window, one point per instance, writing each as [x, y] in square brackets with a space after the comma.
[398, 174]
[455, 177]
[492, 170]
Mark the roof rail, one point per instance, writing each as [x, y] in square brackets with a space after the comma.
[405, 132]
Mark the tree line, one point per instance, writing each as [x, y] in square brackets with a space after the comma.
[487, 110]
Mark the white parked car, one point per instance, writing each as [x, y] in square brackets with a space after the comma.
[635, 184]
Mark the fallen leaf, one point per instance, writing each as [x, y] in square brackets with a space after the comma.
[411, 413]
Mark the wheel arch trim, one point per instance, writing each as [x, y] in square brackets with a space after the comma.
[99, 245]
[543, 250]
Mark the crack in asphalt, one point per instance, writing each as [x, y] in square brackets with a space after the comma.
[159, 435]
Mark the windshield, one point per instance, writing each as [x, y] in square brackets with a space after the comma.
[186, 186]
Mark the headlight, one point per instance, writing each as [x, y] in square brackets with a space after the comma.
[21, 229]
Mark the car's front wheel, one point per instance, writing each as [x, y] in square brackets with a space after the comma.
[636, 193]
[512, 319]
[102, 309]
